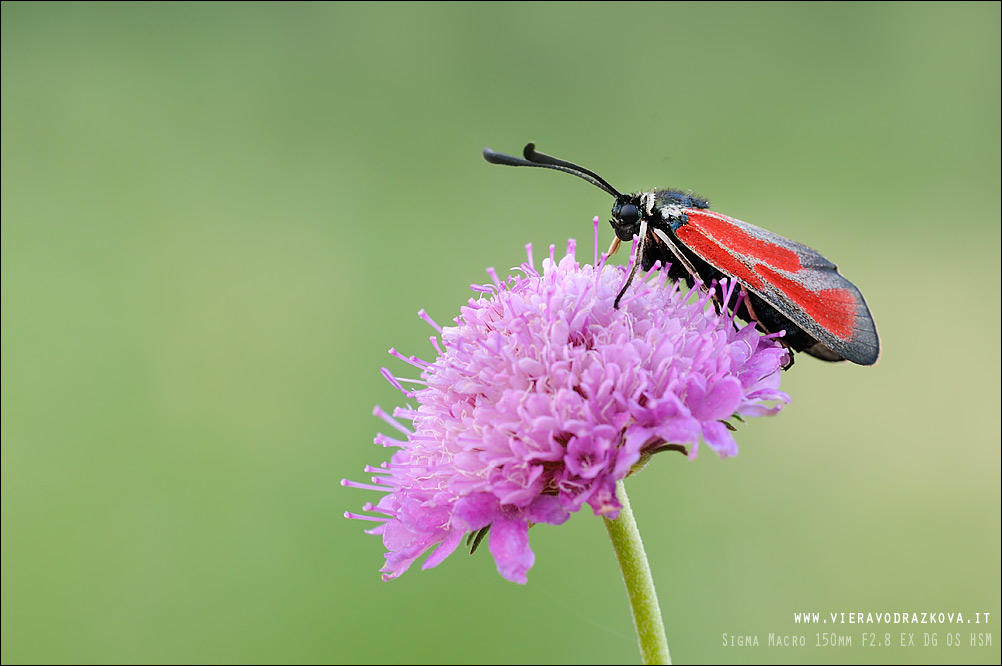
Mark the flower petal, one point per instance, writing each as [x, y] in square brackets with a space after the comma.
[719, 438]
[509, 544]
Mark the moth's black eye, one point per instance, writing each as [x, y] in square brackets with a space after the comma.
[629, 214]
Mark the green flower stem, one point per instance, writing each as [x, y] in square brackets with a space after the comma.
[639, 584]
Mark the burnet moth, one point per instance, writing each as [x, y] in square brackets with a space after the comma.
[788, 286]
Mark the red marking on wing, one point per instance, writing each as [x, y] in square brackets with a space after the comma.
[833, 309]
[717, 255]
[767, 268]
[720, 229]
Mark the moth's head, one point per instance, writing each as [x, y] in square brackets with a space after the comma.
[626, 216]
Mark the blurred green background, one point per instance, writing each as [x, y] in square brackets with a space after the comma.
[217, 218]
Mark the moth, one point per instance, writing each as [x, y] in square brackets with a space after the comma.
[787, 286]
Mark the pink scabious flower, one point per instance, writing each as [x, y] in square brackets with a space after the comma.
[543, 395]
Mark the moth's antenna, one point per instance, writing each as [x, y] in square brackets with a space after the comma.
[532, 158]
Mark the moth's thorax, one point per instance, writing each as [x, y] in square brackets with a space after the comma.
[669, 207]
[648, 202]
[679, 198]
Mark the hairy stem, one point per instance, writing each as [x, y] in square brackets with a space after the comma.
[639, 583]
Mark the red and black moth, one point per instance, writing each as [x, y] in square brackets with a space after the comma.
[789, 287]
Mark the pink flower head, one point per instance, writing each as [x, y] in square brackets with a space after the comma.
[544, 394]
